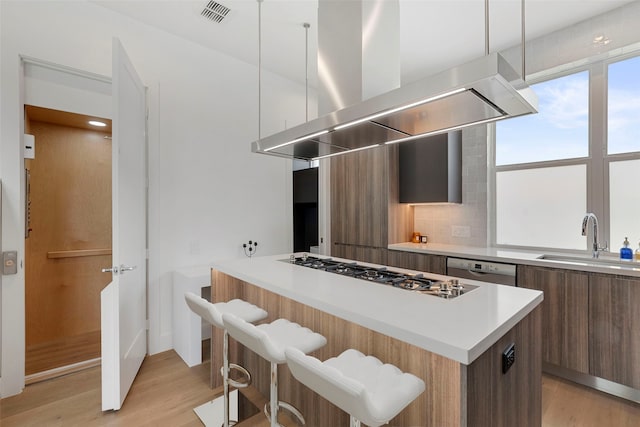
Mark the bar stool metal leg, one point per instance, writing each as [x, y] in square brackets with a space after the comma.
[275, 405]
[225, 376]
[227, 381]
[273, 401]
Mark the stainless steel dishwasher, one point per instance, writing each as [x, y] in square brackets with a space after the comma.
[483, 271]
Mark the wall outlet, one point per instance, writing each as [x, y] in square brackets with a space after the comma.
[460, 231]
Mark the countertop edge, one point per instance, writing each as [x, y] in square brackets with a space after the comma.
[512, 256]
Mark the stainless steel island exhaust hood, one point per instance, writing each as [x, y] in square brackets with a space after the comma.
[481, 91]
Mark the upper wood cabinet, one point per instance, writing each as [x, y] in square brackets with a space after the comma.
[364, 200]
[431, 169]
[614, 322]
[565, 314]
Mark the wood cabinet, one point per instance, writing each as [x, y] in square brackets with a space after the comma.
[590, 321]
[565, 314]
[365, 212]
[414, 261]
[360, 253]
[614, 322]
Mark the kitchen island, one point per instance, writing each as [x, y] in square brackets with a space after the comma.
[455, 345]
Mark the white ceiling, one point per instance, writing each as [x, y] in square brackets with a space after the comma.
[434, 34]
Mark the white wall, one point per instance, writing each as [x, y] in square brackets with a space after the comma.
[208, 192]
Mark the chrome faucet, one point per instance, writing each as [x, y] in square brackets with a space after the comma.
[585, 222]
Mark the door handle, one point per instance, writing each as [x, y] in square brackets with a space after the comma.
[113, 270]
[124, 268]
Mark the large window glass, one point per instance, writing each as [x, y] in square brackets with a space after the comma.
[560, 130]
[541, 207]
[624, 106]
[549, 166]
[624, 203]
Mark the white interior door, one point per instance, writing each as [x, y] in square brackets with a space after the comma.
[123, 301]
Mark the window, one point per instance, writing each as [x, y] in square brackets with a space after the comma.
[553, 167]
[528, 205]
[624, 203]
[560, 129]
[624, 106]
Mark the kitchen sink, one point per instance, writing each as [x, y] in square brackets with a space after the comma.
[587, 259]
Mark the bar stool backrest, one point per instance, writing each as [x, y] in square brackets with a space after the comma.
[204, 309]
[253, 338]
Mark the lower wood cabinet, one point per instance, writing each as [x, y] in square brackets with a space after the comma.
[565, 314]
[370, 254]
[614, 322]
[414, 261]
[590, 321]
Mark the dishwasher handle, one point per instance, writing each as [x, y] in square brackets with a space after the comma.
[477, 273]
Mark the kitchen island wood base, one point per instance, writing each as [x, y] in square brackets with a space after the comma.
[456, 394]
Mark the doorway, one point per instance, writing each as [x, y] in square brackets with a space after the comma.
[67, 240]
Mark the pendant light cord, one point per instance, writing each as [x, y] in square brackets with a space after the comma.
[306, 69]
[486, 27]
[522, 12]
[522, 35]
[259, 69]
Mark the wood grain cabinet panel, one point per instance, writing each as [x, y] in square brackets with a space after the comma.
[359, 198]
[365, 212]
[614, 321]
[565, 314]
[360, 253]
[421, 262]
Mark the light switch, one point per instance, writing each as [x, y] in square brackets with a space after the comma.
[9, 262]
[29, 146]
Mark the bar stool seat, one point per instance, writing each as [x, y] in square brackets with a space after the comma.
[269, 341]
[368, 390]
[212, 313]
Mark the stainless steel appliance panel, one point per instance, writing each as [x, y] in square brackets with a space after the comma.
[483, 271]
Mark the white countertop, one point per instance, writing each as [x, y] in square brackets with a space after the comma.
[460, 329]
[514, 256]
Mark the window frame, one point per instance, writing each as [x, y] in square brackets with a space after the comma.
[597, 161]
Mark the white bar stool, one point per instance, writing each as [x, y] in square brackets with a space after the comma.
[368, 390]
[269, 341]
[212, 313]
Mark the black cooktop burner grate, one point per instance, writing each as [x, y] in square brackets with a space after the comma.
[416, 283]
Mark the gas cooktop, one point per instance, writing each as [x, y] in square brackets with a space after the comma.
[417, 283]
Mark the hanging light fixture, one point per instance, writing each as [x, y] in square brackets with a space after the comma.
[481, 91]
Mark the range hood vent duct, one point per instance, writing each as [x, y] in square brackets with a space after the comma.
[481, 91]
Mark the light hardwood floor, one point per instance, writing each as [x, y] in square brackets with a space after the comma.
[62, 352]
[166, 390]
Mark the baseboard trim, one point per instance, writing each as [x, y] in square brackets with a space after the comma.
[63, 370]
[597, 383]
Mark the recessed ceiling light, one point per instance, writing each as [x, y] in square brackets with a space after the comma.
[97, 123]
[601, 40]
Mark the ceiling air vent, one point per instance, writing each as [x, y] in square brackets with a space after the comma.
[215, 12]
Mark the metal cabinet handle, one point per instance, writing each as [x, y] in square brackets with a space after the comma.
[113, 270]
